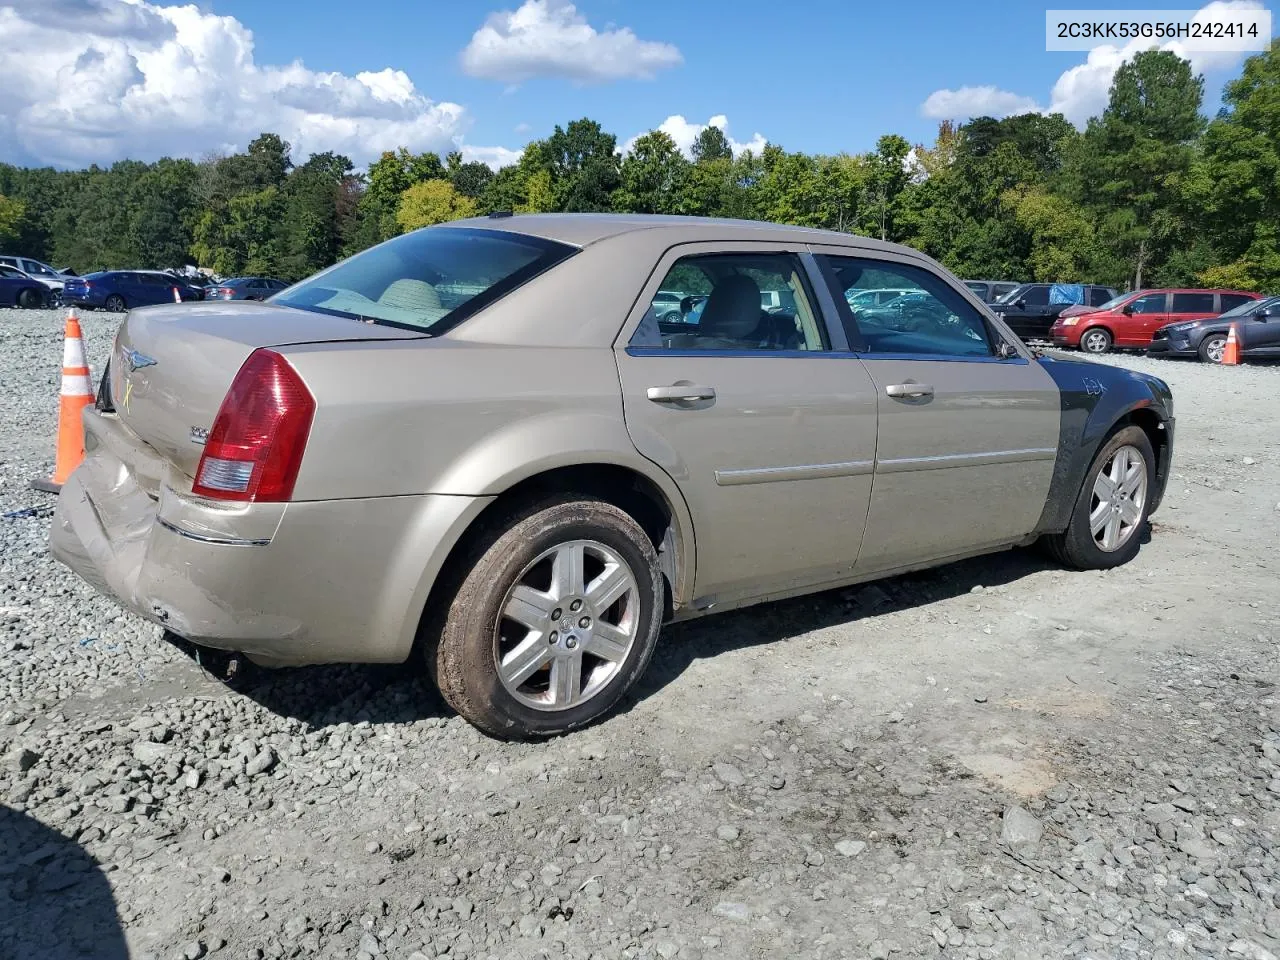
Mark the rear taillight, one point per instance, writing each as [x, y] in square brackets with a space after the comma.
[226, 292]
[257, 440]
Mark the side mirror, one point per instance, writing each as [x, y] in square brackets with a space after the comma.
[1020, 302]
[1006, 350]
[1128, 309]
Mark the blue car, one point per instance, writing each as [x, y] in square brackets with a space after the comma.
[120, 290]
[244, 288]
[17, 289]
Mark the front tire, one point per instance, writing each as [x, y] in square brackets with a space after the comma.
[1095, 340]
[30, 299]
[556, 616]
[115, 304]
[1110, 513]
[1212, 347]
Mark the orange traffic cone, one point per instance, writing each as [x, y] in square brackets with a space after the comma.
[77, 393]
[1231, 351]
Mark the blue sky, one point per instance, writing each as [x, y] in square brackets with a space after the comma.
[103, 79]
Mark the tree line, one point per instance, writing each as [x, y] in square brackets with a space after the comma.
[1151, 192]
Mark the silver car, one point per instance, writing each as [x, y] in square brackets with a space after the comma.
[514, 487]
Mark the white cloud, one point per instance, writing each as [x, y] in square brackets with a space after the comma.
[1082, 91]
[685, 133]
[976, 102]
[549, 38]
[89, 81]
[494, 157]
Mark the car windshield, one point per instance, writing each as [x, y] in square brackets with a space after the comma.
[1249, 306]
[1116, 301]
[426, 280]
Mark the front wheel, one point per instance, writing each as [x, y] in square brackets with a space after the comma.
[556, 616]
[1096, 340]
[1110, 513]
[1212, 347]
[114, 304]
[30, 299]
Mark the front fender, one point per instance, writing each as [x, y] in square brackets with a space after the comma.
[1094, 398]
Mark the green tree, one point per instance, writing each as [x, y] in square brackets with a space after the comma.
[11, 216]
[469, 179]
[431, 202]
[583, 164]
[652, 176]
[711, 144]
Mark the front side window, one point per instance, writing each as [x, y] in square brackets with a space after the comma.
[931, 317]
[1151, 303]
[1192, 303]
[737, 314]
[428, 280]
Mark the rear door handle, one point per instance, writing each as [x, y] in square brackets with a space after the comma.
[909, 390]
[680, 392]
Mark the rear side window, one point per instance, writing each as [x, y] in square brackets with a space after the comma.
[930, 317]
[1192, 303]
[753, 303]
[1037, 296]
[1232, 300]
[428, 280]
[1099, 295]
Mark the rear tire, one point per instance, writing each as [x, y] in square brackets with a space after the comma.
[115, 304]
[1095, 340]
[30, 299]
[582, 578]
[1212, 347]
[1084, 544]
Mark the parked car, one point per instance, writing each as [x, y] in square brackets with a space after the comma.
[118, 290]
[244, 288]
[1030, 310]
[515, 492]
[1130, 320]
[667, 305]
[18, 289]
[1257, 325]
[862, 299]
[52, 280]
[989, 291]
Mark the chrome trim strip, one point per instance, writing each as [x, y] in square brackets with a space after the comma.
[202, 538]
[965, 460]
[808, 471]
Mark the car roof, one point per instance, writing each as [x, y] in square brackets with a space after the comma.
[584, 229]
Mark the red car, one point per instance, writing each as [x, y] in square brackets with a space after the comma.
[1130, 319]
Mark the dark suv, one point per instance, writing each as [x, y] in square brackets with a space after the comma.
[1030, 311]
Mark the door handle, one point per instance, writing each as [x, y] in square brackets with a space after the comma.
[909, 390]
[680, 392]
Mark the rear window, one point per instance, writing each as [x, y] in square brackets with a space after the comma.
[1232, 300]
[429, 280]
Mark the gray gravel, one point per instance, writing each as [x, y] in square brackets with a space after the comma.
[996, 759]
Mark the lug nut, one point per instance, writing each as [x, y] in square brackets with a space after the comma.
[557, 613]
[584, 623]
[575, 606]
[571, 643]
[553, 637]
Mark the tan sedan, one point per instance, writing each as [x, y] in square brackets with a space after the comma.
[480, 447]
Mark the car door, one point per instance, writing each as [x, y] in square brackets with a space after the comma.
[11, 282]
[1259, 333]
[765, 421]
[1028, 316]
[968, 430]
[1190, 305]
[1140, 318]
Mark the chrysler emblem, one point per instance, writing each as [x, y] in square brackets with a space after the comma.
[136, 360]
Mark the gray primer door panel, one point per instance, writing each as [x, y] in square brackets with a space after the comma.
[964, 468]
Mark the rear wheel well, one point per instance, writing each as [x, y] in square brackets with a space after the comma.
[626, 489]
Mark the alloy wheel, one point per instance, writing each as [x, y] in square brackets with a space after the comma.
[567, 625]
[1119, 496]
[1214, 348]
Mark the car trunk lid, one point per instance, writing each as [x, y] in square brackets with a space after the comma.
[171, 366]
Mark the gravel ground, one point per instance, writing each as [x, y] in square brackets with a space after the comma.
[994, 759]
